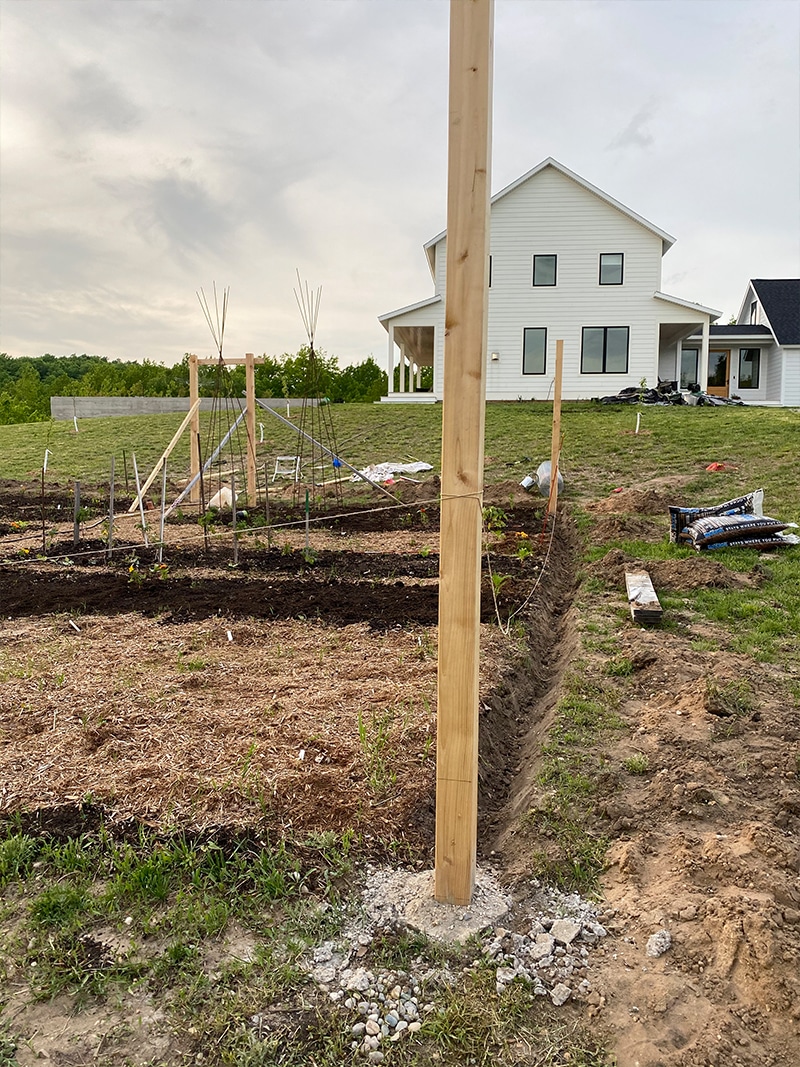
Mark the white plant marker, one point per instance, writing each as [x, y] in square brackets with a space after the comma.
[638, 420]
[47, 453]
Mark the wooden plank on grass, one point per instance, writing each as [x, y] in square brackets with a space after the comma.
[644, 603]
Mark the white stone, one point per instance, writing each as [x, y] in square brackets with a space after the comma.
[560, 994]
[658, 944]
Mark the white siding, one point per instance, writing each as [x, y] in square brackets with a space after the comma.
[791, 376]
[773, 373]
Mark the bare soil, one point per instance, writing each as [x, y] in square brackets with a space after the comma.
[220, 697]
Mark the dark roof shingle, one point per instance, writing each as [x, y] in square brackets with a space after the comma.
[780, 299]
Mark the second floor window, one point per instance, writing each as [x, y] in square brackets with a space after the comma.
[544, 270]
[611, 268]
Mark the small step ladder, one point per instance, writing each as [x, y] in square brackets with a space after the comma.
[287, 467]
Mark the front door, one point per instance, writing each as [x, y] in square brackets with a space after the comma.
[719, 371]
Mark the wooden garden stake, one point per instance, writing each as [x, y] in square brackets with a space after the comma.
[111, 510]
[194, 433]
[140, 499]
[233, 520]
[202, 494]
[125, 468]
[76, 513]
[555, 440]
[163, 508]
[250, 390]
[266, 506]
[464, 403]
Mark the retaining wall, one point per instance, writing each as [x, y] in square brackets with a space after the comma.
[93, 407]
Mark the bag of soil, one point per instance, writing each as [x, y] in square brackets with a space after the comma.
[679, 518]
[703, 533]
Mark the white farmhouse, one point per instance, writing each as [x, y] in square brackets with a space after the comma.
[567, 262]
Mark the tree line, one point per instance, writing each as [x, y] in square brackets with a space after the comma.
[27, 383]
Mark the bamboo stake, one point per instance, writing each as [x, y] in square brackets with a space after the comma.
[125, 467]
[463, 411]
[166, 453]
[139, 496]
[555, 441]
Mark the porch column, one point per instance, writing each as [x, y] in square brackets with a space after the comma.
[678, 351]
[702, 370]
[390, 362]
[419, 378]
[402, 382]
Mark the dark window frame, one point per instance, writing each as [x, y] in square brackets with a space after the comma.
[621, 268]
[535, 329]
[490, 270]
[545, 285]
[756, 365]
[605, 330]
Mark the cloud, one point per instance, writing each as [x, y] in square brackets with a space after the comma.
[634, 135]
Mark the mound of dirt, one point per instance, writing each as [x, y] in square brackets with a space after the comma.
[626, 528]
[643, 501]
[680, 575]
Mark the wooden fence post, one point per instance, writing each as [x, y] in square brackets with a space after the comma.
[464, 403]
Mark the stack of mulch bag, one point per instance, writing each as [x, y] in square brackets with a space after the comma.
[739, 523]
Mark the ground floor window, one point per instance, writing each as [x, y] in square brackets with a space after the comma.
[605, 350]
[534, 350]
[749, 367]
[689, 367]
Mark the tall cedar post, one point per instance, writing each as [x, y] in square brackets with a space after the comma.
[555, 442]
[250, 384]
[194, 430]
[464, 402]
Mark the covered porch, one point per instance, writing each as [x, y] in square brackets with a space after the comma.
[681, 319]
[411, 347]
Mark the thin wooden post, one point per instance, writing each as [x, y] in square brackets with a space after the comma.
[125, 468]
[233, 520]
[194, 431]
[111, 510]
[140, 498]
[555, 441]
[266, 506]
[204, 516]
[250, 391]
[76, 512]
[161, 519]
[464, 404]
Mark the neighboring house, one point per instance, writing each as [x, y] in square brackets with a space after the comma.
[567, 262]
[758, 358]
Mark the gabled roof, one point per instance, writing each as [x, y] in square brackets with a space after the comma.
[780, 299]
[667, 240]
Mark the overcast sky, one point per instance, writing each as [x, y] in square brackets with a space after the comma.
[153, 147]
